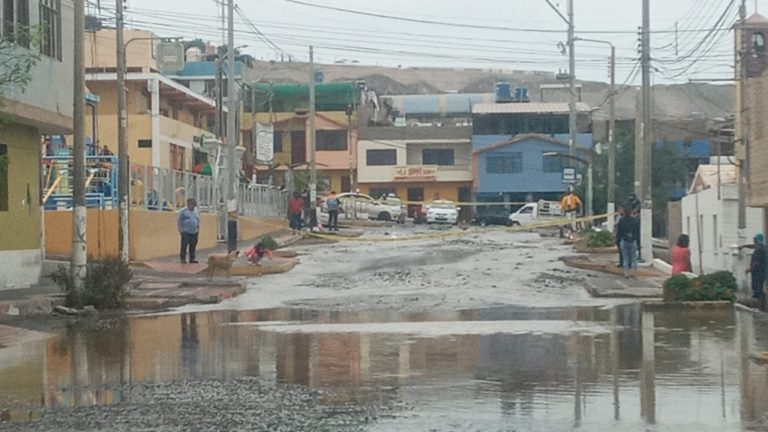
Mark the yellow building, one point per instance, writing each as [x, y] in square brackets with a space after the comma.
[43, 106]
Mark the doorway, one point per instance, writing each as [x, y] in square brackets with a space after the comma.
[414, 194]
[298, 147]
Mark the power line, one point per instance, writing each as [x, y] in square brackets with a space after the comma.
[460, 25]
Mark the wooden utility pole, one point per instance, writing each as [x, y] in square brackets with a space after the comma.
[743, 166]
[612, 143]
[643, 166]
[313, 141]
[79, 214]
[123, 184]
[232, 111]
[572, 119]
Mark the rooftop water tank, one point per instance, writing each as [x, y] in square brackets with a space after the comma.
[503, 92]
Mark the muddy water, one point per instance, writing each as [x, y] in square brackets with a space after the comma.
[494, 369]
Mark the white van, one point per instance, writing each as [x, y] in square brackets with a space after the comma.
[537, 212]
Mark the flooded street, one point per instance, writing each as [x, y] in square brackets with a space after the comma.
[340, 356]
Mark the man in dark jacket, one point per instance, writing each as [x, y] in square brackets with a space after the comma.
[758, 267]
[628, 234]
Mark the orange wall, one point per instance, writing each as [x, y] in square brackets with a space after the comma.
[102, 239]
[153, 234]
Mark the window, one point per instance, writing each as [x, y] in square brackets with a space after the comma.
[381, 157]
[553, 164]
[50, 21]
[277, 141]
[527, 210]
[505, 163]
[714, 234]
[3, 177]
[331, 140]
[15, 24]
[178, 154]
[437, 157]
[379, 192]
[758, 44]
[145, 143]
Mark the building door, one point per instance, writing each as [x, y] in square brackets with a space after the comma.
[298, 147]
[346, 185]
[465, 196]
[415, 194]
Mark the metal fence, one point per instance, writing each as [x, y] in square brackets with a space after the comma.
[262, 201]
[165, 189]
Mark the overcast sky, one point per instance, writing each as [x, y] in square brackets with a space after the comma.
[346, 37]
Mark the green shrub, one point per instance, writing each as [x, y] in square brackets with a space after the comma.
[269, 242]
[105, 285]
[716, 286]
[596, 239]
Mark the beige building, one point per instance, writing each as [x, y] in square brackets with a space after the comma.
[166, 121]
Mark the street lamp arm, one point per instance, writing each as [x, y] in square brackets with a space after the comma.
[581, 39]
[554, 8]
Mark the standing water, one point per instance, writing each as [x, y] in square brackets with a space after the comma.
[503, 369]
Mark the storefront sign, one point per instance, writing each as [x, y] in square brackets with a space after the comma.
[416, 172]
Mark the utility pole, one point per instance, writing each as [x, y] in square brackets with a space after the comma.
[572, 123]
[79, 213]
[743, 123]
[612, 143]
[231, 133]
[313, 141]
[122, 145]
[643, 167]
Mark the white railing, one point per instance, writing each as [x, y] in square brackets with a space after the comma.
[155, 188]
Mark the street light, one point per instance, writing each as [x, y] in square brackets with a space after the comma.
[586, 162]
[611, 131]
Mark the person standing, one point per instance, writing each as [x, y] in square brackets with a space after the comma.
[628, 232]
[757, 267]
[295, 211]
[681, 256]
[634, 204]
[570, 205]
[333, 205]
[188, 224]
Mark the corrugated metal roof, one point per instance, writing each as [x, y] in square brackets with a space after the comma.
[527, 108]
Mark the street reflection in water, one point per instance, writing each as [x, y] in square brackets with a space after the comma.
[491, 369]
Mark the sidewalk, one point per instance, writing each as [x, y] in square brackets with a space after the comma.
[159, 283]
[610, 281]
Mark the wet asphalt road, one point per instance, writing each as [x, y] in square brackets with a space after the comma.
[484, 332]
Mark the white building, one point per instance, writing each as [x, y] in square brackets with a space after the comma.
[710, 216]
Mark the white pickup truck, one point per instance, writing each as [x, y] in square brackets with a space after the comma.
[537, 212]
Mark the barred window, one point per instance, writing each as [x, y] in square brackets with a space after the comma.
[15, 23]
[50, 21]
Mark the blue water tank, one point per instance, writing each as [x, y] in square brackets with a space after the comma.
[521, 94]
[503, 92]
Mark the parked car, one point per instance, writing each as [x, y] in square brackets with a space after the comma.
[442, 211]
[492, 215]
[537, 212]
[355, 205]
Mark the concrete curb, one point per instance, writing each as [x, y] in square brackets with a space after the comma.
[708, 305]
[586, 264]
[33, 306]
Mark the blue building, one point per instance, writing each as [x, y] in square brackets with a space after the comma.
[516, 148]
[524, 167]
